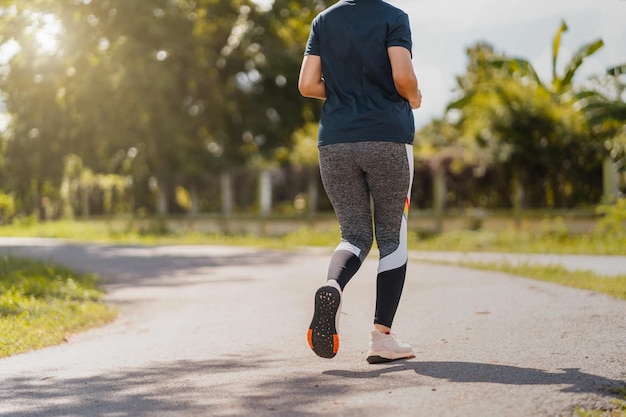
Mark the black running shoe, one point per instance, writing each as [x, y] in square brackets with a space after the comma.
[322, 335]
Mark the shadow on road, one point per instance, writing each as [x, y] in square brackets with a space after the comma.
[469, 372]
[233, 386]
[162, 388]
[226, 387]
[123, 266]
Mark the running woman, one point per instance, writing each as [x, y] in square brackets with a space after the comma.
[358, 59]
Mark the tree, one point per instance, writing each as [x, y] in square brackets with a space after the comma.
[190, 88]
[605, 108]
[533, 130]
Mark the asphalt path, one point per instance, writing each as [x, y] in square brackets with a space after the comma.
[221, 331]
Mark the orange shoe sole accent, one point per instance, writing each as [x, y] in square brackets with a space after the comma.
[309, 337]
[335, 343]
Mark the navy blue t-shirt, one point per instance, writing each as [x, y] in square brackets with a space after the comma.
[362, 104]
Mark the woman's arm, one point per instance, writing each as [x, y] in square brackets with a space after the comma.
[310, 82]
[403, 75]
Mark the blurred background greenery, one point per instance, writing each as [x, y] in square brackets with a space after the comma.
[188, 109]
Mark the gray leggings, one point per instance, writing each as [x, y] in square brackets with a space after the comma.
[358, 176]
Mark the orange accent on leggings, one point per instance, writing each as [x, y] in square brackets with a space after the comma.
[407, 205]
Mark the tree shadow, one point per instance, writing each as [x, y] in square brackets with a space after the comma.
[470, 372]
[162, 388]
[230, 386]
[130, 266]
[251, 385]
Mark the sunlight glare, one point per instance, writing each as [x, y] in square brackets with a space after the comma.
[47, 30]
[8, 51]
[264, 5]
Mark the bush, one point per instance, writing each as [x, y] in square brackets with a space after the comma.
[614, 221]
[7, 208]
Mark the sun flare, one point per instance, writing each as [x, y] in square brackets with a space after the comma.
[46, 30]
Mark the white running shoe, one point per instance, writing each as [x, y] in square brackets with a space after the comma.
[386, 347]
[323, 334]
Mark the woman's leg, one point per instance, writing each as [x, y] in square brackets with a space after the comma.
[347, 189]
[389, 180]
[354, 174]
[346, 186]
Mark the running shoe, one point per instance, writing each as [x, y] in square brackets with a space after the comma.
[386, 347]
[322, 334]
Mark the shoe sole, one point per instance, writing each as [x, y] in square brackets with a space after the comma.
[322, 335]
[375, 359]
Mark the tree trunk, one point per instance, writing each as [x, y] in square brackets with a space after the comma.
[84, 197]
[67, 209]
[439, 195]
[609, 181]
[162, 199]
[195, 203]
[517, 198]
[313, 191]
[265, 193]
[37, 201]
[227, 193]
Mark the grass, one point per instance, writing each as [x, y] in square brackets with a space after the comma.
[615, 286]
[618, 409]
[524, 241]
[102, 231]
[551, 238]
[43, 304]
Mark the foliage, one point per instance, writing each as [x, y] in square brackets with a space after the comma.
[551, 237]
[304, 152]
[40, 304]
[129, 106]
[548, 139]
[613, 223]
[164, 93]
[7, 207]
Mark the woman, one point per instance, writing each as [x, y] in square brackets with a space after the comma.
[358, 59]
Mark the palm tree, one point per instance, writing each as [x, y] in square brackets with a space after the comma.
[607, 118]
[513, 105]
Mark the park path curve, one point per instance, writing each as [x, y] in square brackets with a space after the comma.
[220, 331]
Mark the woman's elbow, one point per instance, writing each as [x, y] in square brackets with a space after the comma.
[303, 88]
[312, 90]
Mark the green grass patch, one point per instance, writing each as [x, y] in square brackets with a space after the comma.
[617, 410]
[615, 286]
[523, 241]
[552, 237]
[102, 231]
[42, 304]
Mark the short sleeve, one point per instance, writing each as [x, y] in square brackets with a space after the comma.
[399, 33]
[313, 44]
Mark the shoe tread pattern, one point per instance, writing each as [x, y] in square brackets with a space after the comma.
[322, 335]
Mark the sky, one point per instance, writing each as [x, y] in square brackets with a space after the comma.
[443, 29]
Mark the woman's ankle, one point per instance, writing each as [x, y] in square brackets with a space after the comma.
[381, 328]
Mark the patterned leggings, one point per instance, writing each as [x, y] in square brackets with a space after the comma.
[357, 177]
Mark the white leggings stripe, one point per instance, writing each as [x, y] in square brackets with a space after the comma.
[399, 257]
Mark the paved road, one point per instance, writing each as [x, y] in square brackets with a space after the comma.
[215, 331]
